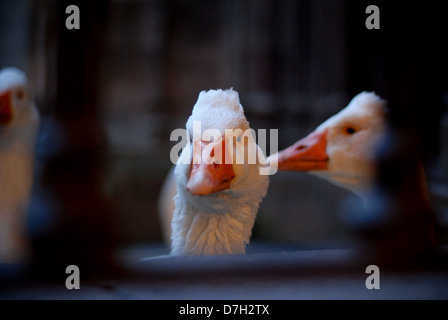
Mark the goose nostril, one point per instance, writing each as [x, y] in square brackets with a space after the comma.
[301, 147]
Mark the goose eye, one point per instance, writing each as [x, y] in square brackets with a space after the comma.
[350, 130]
[20, 94]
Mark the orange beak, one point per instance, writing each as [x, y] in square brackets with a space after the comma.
[306, 154]
[6, 112]
[209, 172]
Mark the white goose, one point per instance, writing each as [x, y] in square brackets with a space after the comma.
[19, 121]
[216, 201]
[341, 149]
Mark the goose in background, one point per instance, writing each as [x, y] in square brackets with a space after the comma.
[19, 121]
[343, 150]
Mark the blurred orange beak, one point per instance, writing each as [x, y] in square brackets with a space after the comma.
[306, 154]
[209, 172]
[6, 112]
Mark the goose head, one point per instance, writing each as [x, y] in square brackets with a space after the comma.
[208, 168]
[17, 110]
[341, 149]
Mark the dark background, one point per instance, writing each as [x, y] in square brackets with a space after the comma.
[111, 93]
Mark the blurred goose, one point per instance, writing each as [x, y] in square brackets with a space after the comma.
[217, 201]
[19, 121]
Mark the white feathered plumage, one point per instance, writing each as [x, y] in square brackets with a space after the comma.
[19, 121]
